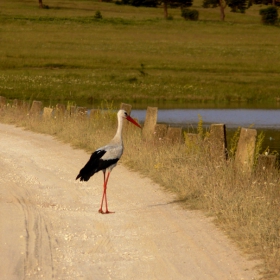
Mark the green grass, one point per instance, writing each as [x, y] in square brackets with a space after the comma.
[63, 53]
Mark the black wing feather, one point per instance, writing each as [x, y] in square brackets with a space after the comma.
[104, 164]
[94, 165]
[91, 166]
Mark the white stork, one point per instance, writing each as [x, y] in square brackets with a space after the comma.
[106, 158]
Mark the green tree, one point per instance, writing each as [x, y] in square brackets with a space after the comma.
[175, 3]
[235, 5]
[223, 5]
[215, 3]
[238, 5]
[42, 6]
[155, 3]
[267, 2]
[144, 3]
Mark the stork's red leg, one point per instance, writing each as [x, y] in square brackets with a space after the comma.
[104, 188]
[107, 211]
[104, 196]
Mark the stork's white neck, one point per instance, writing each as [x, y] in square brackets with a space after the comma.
[118, 136]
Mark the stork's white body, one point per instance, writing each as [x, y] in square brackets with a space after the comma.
[105, 158]
[114, 149]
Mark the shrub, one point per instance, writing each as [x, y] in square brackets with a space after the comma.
[239, 5]
[189, 14]
[269, 15]
[98, 15]
[210, 3]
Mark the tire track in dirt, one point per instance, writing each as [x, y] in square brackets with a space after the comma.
[38, 255]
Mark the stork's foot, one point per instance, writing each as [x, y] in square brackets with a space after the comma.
[106, 212]
[109, 212]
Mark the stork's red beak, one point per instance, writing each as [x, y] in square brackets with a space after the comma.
[133, 121]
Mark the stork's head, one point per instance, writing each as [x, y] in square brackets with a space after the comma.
[123, 114]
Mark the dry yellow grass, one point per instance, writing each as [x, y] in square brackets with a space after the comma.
[245, 206]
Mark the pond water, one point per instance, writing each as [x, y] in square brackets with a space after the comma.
[258, 118]
[261, 116]
[266, 120]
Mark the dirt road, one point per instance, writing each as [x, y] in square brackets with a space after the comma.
[50, 227]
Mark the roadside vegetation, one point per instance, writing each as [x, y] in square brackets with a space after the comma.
[88, 51]
[245, 206]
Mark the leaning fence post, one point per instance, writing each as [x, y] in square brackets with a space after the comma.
[2, 101]
[60, 110]
[126, 107]
[150, 123]
[174, 135]
[47, 112]
[25, 106]
[17, 103]
[36, 108]
[245, 152]
[218, 141]
[160, 131]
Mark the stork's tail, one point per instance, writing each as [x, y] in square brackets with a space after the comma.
[91, 167]
[83, 177]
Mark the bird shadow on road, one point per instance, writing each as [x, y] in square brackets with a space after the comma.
[176, 201]
[179, 202]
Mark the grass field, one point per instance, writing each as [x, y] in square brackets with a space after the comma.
[135, 55]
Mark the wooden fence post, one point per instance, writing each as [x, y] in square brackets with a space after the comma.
[36, 108]
[126, 107]
[150, 123]
[218, 142]
[3, 102]
[245, 152]
[17, 103]
[174, 135]
[60, 110]
[47, 112]
[160, 131]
